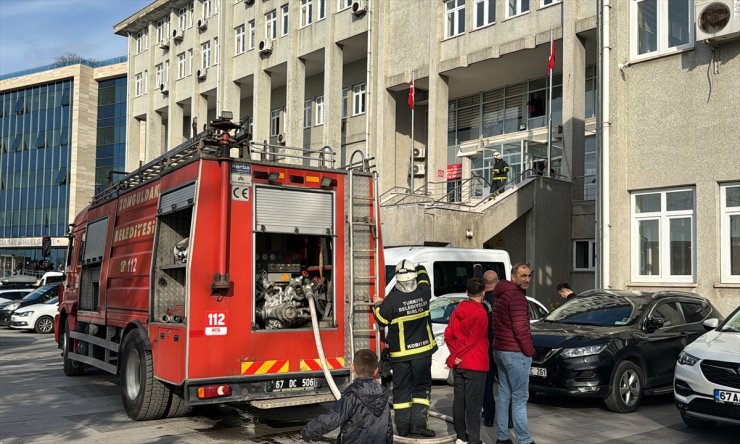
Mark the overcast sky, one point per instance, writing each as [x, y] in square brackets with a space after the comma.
[35, 32]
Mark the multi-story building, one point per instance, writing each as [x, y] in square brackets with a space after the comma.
[62, 136]
[337, 73]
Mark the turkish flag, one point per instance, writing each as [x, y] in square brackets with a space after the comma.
[411, 95]
[551, 60]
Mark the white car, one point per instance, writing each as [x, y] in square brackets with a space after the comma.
[441, 309]
[706, 382]
[38, 317]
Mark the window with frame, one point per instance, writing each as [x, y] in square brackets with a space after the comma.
[454, 18]
[182, 18]
[146, 80]
[589, 168]
[307, 113]
[166, 71]
[584, 255]
[191, 14]
[158, 74]
[138, 84]
[271, 25]
[730, 232]
[345, 102]
[205, 55]
[181, 65]
[191, 56]
[663, 235]
[549, 2]
[216, 50]
[274, 122]
[206, 8]
[163, 30]
[660, 27]
[284, 20]
[319, 110]
[252, 33]
[306, 12]
[485, 13]
[694, 311]
[343, 4]
[516, 7]
[141, 40]
[239, 40]
[321, 10]
[358, 99]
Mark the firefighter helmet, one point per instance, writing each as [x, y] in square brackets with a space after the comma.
[496, 155]
[405, 271]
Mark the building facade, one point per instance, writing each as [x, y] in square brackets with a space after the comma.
[337, 72]
[52, 154]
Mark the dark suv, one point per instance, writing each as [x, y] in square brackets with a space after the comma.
[38, 296]
[617, 345]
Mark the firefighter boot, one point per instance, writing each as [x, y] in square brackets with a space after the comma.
[403, 421]
[420, 421]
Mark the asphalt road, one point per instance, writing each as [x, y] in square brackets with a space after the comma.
[38, 403]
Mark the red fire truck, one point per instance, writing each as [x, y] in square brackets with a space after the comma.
[224, 271]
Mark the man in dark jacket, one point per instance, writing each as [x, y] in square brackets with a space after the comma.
[499, 173]
[466, 337]
[512, 351]
[362, 413]
[405, 311]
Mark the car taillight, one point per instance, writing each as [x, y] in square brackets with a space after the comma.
[214, 391]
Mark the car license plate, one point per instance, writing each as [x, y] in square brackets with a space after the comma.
[727, 397]
[538, 371]
[291, 385]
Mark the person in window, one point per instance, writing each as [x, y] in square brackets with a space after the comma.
[536, 106]
[499, 173]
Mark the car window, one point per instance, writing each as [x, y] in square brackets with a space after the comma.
[668, 313]
[597, 309]
[390, 271]
[452, 276]
[535, 311]
[52, 301]
[694, 311]
[441, 310]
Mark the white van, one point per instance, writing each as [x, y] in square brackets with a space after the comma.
[449, 268]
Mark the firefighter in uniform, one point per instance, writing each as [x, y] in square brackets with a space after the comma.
[405, 312]
[498, 173]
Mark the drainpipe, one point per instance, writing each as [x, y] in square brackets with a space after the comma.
[605, 129]
[368, 100]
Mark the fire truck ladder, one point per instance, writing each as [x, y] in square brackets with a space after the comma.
[364, 261]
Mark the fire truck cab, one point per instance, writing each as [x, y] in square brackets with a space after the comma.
[224, 271]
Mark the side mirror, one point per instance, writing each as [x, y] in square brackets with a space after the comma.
[711, 323]
[653, 324]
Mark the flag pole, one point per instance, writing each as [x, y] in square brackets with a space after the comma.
[411, 162]
[548, 168]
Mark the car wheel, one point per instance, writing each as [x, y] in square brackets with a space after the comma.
[697, 423]
[44, 324]
[71, 368]
[144, 397]
[625, 391]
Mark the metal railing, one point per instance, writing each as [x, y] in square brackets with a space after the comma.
[49, 67]
[324, 157]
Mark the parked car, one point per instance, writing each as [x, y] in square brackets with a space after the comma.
[38, 296]
[38, 317]
[707, 378]
[617, 345]
[13, 294]
[441, 309]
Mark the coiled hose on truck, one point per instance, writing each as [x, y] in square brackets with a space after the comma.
[337, 394]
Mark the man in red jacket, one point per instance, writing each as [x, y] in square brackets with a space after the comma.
[466, 337]
[512, 352]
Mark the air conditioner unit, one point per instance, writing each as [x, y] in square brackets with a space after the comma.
[265, 47]
[420, 152]
[419, 169]
[201, 74]
[359, 7]
[281, 138]
[717, 20]
[164, 44]
[249, 2]
[176, 36]
[164, 89]
[202, 24]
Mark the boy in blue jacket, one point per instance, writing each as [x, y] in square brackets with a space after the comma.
[362, 413]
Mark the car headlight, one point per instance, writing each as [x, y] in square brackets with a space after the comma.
[13, 306]
[23, 314]
[577, 352]
[687, 359]
[440, 338]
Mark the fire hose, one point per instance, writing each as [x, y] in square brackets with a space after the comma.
[337, 394]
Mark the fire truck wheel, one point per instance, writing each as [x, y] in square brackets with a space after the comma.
[144, 397]
[178, 406]
[71, 368]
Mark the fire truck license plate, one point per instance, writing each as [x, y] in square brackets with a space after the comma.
[291, 385]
